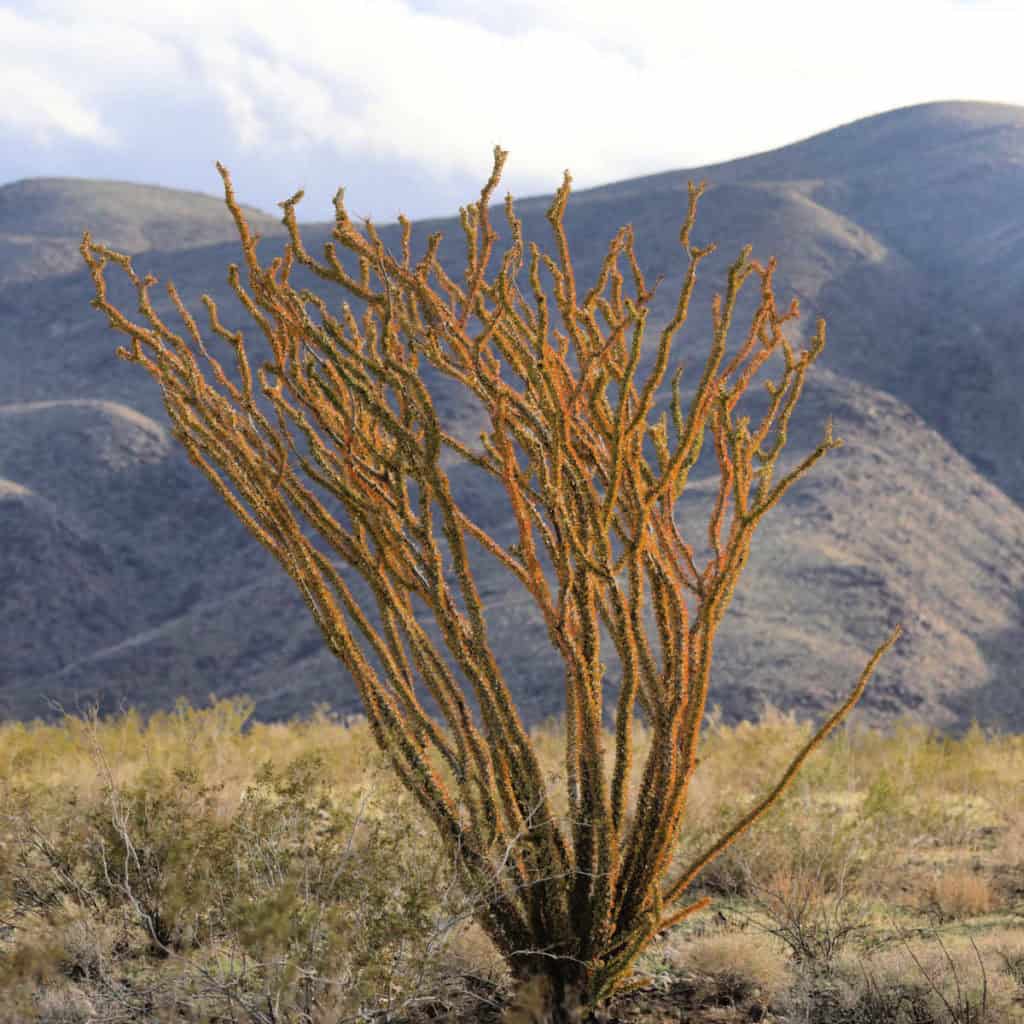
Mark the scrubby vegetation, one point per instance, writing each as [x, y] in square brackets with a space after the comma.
[200, 867]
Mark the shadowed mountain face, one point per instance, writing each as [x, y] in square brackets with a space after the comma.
[42, 220]
[125, 578]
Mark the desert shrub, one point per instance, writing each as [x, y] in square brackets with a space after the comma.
[926, 980]
[319, 891]
[158, 847]
[577, 915]
[958, 893]
[965, 980]
[295, 895]
[43, 863]
[731, 969]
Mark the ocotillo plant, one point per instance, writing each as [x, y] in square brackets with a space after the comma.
[574, 905]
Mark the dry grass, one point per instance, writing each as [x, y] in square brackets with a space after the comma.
[295, 880]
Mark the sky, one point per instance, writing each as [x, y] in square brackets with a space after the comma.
[402, 101]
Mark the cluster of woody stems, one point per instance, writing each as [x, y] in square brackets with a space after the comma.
[593, 899]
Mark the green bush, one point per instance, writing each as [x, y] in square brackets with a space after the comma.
[290, 897]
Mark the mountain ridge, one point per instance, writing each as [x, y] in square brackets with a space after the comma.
[170, 596]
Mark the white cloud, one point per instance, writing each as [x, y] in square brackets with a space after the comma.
[402, 102]
[46, 111]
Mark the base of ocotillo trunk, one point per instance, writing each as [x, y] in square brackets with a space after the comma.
[541, 999]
